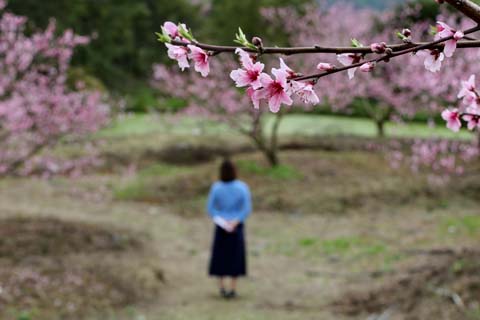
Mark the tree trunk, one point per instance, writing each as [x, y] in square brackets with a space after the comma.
[272, 158]
[266, 143]
[271, 155]
[380, 128]
[269, 152]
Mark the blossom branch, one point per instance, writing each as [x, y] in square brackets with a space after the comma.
[215, 49]
[386, 57]
[467, 7]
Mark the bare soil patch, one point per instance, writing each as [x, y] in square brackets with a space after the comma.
[445, 285]
[68, 269]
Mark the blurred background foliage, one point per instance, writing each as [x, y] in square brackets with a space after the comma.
[123, 46]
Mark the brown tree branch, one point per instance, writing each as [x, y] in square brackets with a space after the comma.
[467, 7]
[386, 57]
[320, 49]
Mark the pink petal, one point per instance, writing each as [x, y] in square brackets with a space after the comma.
[285, 68]
[280, 76]
[245, 59]
[351, 73]
[255, 96]
[203, 68]
[345, 59]
[275, 101]
[240, 77]
[171, 29]
[450, 47]
[443, 30]
[265, 80]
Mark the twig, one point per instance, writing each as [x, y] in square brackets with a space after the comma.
[467, 7]
[385, 57]
[215, 49]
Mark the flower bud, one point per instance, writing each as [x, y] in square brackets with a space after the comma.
[323, 66]
[257, 42]
[407, 32]
[367, 67]
[378, 47]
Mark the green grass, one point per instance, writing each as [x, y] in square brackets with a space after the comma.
[358, 245]
[296, 124]
[161, 169]
[469, 225]
[343, 245]
[280, 172]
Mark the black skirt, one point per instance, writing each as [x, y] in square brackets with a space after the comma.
[228, 253]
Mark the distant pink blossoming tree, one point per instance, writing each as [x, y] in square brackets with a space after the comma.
[37, 108]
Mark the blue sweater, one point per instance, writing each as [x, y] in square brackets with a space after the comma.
[229, 200]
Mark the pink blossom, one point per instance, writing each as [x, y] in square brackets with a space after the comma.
[367, 67]
[473, 121]
[348, 59]
[323, 66]
[38, 108]
[287, 69]
[275, 91]
[3, 4]
[305, 91]
[249, 74]
[200, 58]
[171, 29]
[468, 91]
[178, 53]
[433, 59]
[445, 31]
[452, 117]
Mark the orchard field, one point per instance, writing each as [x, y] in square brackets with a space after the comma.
[335, 234]
[355, 124]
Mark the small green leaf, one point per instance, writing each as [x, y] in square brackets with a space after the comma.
[238, 41]
[165, 33]
[184, 32]
[401, 36]
[162, 38]
[241, 39]
[241, 34]
[356, 43]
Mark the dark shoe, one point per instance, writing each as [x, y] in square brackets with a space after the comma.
[224, 293]
[232, 294]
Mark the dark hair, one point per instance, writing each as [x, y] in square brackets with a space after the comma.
[228, 172]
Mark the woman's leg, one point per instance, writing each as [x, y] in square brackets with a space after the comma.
[221, 287]
[221, 283]
[233, 284]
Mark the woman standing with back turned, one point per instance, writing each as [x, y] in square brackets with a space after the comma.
[229, 204]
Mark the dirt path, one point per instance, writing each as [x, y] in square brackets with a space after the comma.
[297, 263]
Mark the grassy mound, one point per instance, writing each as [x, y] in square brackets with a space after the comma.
[52, 269]
[23, 238]
[324, 182]
[445, 286]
